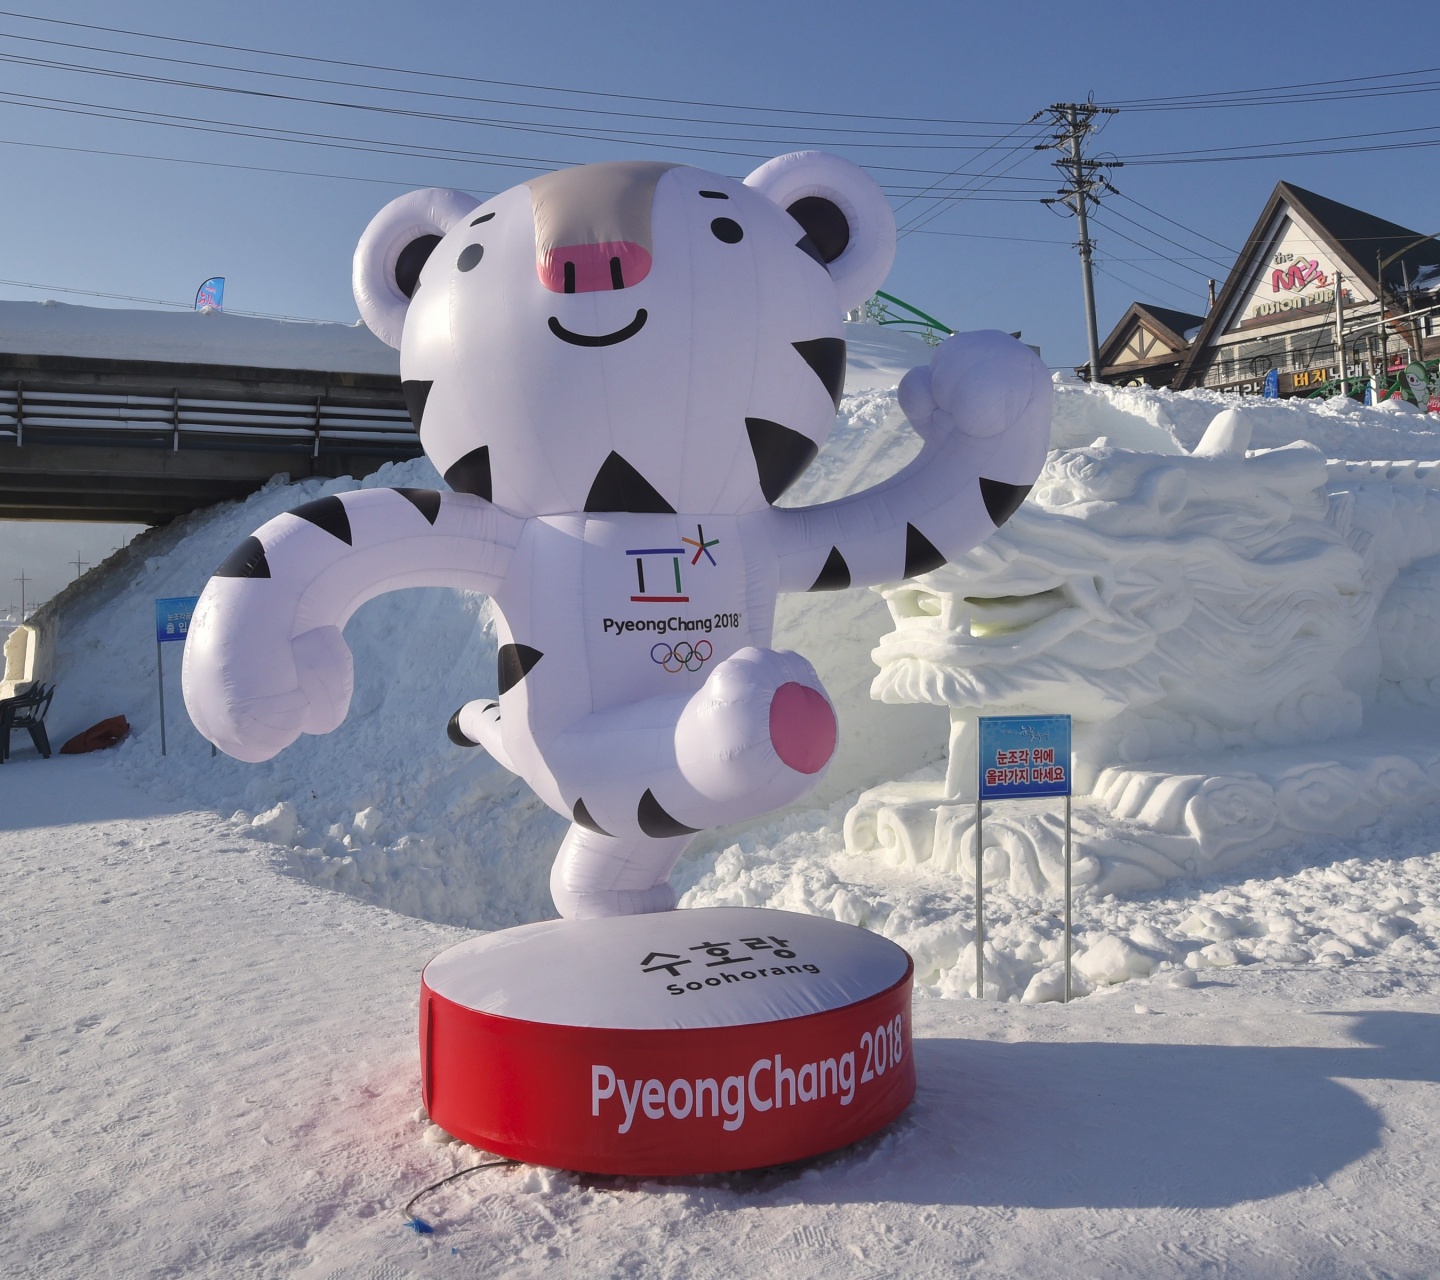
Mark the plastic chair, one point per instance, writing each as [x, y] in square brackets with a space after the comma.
[27, 711]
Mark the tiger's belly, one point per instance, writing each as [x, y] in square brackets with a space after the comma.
[624, 607]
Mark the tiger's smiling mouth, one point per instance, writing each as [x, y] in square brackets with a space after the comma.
[599, 339]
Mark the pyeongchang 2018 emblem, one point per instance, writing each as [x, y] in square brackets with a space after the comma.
[662, 574]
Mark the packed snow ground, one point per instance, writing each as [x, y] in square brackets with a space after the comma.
[210, 1070]
[210, 1065]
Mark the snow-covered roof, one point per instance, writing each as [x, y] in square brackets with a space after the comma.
[191, 337]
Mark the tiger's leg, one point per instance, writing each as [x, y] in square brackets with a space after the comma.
[641, 779]
[599, 875]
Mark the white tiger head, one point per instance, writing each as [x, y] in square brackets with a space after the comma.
[627, 336]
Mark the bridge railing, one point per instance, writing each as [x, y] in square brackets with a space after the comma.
[58, 415]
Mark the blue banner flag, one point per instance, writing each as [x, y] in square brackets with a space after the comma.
[1272, 384]
[172, 617]
[211, 294]
[1022, 756]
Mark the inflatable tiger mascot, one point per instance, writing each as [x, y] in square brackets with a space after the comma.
[618, 369]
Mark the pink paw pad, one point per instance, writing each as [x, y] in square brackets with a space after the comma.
[802, 727]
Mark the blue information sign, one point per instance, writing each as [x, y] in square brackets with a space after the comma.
[1022, 756]
[172, 617]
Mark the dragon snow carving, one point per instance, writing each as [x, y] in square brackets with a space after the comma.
[1182, 609]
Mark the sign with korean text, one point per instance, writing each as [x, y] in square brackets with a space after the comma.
[1024, 756]
[210, 296]
[172, 617]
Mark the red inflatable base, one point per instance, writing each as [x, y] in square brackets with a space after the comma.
[759, 1061]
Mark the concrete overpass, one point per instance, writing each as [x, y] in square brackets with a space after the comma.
[94, 426]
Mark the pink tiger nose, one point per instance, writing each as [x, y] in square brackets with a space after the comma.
[589, 268]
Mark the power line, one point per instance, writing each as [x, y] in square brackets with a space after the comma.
[1224, 266]
[404, 184]
[1204, 275]
[1197, 158]
[917, 221]
[550, 128]
[1199, 234]
[1287, 142]
[1293, 96]
[978, 235]
[1104, 270]
[1154, 275]
[236, 128]
[212, 164]
[211, 66]
[1139, 103]
[509, 84]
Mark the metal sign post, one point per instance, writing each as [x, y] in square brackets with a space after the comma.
[172, 622]
[1021, 757]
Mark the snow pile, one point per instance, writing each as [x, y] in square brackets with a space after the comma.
[1169, 422]
[192, 337]
[1326, 902]
[387, 810]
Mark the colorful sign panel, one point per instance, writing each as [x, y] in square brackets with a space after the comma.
[1295, 280]
[1024, 756]
[211, 294]
[172, 617]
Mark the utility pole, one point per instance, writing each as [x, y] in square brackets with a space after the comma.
[79, 564]
[1073, 122]
[22, 580]
[1340, 333]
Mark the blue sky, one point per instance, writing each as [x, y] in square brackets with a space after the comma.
[885, 84]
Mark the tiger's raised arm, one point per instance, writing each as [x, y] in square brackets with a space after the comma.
[982, 406]
[265, 660]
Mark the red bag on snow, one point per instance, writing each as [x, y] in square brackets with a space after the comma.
[97, 737]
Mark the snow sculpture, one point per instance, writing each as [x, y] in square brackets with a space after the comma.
[618, 369]
[1182, 609]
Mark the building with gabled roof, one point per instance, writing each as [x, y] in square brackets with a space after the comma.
[1146, 348]
[1277, 310]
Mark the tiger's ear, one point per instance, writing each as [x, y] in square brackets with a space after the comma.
[843, 213]
[393, 249]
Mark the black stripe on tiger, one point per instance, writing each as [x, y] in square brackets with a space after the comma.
[328, 514]
[582, 818]
[826, 357]
[471, 474]
[656, 823]
[425, 501]
[246, 561]
[781, 455]
[834, 574]
[416, 393]
[921, 555]
[1002, 500]
[513, 663]
[618, 486]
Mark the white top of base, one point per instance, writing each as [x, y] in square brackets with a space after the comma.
[709, 967]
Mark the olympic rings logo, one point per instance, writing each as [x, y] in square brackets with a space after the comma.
[683, 656]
